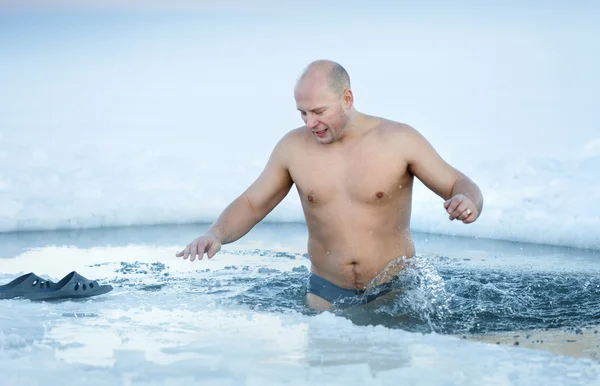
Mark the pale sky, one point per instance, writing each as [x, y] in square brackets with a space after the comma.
[506, 79]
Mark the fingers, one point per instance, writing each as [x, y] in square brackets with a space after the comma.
[461, 208]
[198, 247]
[185, 252]
[456, 208]
[472, 216]
[464, 214]
[447, 203]
[214, 248]
[451, 206]
[192, 250]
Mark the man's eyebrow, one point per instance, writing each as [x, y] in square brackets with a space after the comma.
[315, 109]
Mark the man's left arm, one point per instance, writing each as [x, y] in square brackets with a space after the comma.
[463, 198]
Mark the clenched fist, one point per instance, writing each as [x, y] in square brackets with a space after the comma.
[461, 207]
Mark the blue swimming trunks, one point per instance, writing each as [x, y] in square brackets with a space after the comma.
[343, 297]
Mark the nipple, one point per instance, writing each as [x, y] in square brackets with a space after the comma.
[310, 198]
[379, 194]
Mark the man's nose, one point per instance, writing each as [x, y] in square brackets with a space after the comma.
[311, 122]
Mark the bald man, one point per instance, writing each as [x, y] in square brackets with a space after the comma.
[354, 174]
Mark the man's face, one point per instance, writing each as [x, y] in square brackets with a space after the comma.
[321, 110]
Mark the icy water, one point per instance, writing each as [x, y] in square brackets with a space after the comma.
[240, 318]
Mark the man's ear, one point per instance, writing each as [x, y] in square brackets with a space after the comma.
[348, 99]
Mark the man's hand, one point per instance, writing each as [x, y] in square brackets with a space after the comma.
[461, 207]
[208, 244]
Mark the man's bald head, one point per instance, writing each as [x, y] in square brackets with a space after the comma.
[331, 72]
[324, 99]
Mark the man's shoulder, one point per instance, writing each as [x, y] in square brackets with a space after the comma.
[393, 130]
[293, 137]
[297, 133]
[287, 144]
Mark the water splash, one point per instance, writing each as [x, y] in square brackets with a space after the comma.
[433, 293]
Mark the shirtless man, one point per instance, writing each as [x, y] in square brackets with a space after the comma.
[354, 174]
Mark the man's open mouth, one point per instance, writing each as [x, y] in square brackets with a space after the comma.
[320, 133]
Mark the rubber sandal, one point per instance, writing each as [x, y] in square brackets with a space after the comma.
[72, 286]
[24, 286]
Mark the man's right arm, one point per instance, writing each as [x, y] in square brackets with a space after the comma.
[253, 205]
[247, 210]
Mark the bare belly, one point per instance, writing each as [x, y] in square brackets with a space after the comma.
[357, 210]
[358, 260]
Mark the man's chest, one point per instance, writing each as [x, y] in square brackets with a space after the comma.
[360, 177]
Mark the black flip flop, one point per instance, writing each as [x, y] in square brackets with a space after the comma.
[25, 286]
[72, 286]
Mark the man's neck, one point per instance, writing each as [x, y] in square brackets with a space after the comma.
[357, 124]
